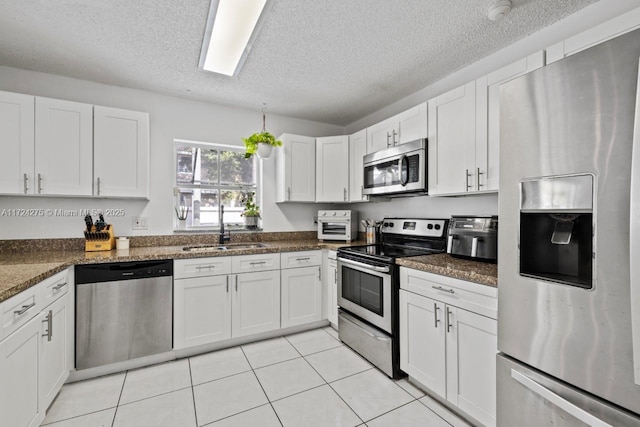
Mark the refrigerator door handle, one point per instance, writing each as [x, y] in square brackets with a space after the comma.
[634, 240]
[558, 400]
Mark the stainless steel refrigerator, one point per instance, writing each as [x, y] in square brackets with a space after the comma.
[569, 242]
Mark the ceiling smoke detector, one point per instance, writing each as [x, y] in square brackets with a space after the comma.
[499, 9]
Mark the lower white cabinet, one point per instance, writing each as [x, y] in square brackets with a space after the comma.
[449, 349]
[54, 349]
[202, 310]
[331, 280]
[255, 303]
[301, 296]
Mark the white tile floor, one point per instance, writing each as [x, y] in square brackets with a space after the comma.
[307, 379]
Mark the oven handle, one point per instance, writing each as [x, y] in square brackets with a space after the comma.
[363, 265]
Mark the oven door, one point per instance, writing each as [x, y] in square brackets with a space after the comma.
[365, 290]
[334, 229]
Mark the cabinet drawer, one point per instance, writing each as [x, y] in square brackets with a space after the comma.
[17, 310]
[300, 259]
[474, 297]
[261, 262]
[200, 267]
[53, 288]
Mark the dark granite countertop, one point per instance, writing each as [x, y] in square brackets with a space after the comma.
[446, 265]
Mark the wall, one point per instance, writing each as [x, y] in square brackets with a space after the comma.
[170, 117]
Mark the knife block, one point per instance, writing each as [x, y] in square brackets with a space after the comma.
[102, 240]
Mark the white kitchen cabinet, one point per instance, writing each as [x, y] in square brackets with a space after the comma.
[448, 340]
[121, 138]
[593, 36]
[332, 169]
[487, 144]
[54, 349]
[63, 147]
[399, 129]
[331, 283]
[255, 303]
[452, 138]
[202, 310]
[301, 295]
[296, 169]
[17, 136]
[19, 395]
[357, 151]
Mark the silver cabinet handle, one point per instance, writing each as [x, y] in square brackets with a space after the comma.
[39, 183]
[59, 286]
[388, 137]
[49, 321]
[257, 263]
[435, 314]
[440, 288]
[227, 284]
[236, 283]
[24, 309]
[466, 177]
[396, 140]
[289, 193]
[335, 276]
[478, 173]
[557, 400]
[25, 180]
[303, 259]
[449, 325]
[202, 267]
[98, 185]
[320, 274]
[474, 247]
[345, 194]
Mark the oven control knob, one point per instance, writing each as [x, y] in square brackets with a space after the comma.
[437, 226]
[391, 224]
[344, 214]
[430, 226]
[324, 214]
[386, 224]
[334, 214]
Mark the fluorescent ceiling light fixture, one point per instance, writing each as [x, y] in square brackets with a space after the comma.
[231, 28]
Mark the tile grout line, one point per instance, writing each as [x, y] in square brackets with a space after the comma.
[193, 392]
[76, 416]
[391, 410]
[124, 381]
[263, 390]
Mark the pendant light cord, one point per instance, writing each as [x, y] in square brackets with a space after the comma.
[264, 117]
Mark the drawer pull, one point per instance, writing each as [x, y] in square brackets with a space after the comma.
[258, 263]
[24, 309]
[202, 267]
[303, 259]
[440, 288]
[59, 286]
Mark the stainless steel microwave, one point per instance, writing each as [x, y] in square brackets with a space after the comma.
[397, 170]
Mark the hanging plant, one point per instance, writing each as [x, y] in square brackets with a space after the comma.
[261, 142]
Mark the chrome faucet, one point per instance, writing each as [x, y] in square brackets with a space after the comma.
[222, 239]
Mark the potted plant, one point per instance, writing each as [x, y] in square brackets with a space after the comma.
[251, 213]
[261, 142]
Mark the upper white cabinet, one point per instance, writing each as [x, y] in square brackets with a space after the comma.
[404, 127]
[332, 169]
[357, 151]
[296, 169]
[452, 139]
[487, 144]
[17, 136]
[121, 138]
[598, 34]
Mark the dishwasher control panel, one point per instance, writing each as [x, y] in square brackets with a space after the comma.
[96, 273]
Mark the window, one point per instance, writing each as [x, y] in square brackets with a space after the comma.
[208, 175]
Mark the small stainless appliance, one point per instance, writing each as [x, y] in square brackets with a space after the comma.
[368, 287]
[123, 311]
[338, 225]
[473, 237]
[569, 290]
[397, 170]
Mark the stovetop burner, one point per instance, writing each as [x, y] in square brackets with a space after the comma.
[389, 251]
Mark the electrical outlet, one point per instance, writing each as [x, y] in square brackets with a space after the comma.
[315, 220]
[140, 223]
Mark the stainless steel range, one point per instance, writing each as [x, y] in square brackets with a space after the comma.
[368, 287]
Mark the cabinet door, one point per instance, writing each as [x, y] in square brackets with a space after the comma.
[357, 150]
[19, 373]
[17, 136]
[255, 303]
[452, 141]
[301, 296]
[121, 152]
[332, 169]
[202, 311]
[54, 349]
[381, 135]
[412, 124]
[488, 119]
[472, 346]
[422, 340]
[63, 148]
[296, 165]
[332, 299]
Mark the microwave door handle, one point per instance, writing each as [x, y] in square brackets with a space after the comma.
[363, 265]
[634, 241]
[402, 163]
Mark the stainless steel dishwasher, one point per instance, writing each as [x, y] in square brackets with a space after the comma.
[123, 311]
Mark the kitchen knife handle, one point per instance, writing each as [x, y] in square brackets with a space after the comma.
[39, 183]
[98, 185]
[26, 182]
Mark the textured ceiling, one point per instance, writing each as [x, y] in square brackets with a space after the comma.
[333, 61]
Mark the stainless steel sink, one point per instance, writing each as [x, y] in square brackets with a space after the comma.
[228, 247]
